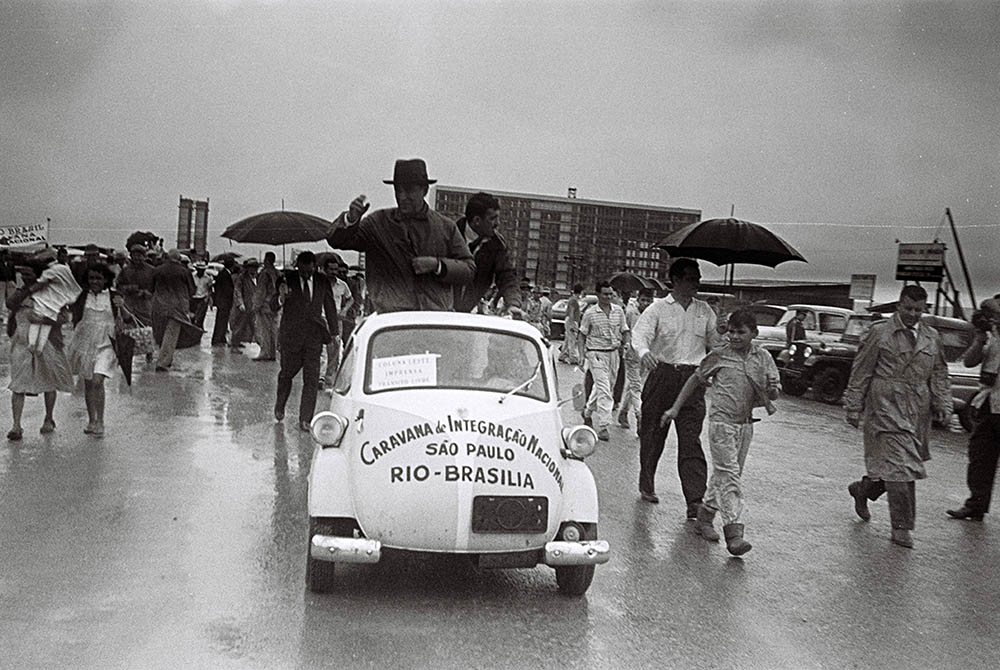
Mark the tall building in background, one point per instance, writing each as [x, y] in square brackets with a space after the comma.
[557, 242]
[192, 224]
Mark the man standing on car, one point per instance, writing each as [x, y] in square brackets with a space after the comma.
[308, 321]
[604, 331]
[899, 381]
[670, 339]
[984, 445]
[414, 256]
[489, 250]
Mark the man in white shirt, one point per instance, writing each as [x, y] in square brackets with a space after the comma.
[202, 291]
[670, 338]
[604, 330]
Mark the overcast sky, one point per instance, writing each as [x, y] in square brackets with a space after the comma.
[844, 126]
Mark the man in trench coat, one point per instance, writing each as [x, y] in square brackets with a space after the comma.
[899, 382]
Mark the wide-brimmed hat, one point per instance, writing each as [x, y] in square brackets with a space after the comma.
[410, 171]
[251, 261]
[200, 265]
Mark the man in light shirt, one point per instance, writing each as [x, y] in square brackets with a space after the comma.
[344, 300]
[604, 330]
[670, 338]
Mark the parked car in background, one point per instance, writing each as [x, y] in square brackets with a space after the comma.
[826, 367]
[557, 324]
[767, 315]
[823, 324]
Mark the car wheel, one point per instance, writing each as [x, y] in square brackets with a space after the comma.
[794, 386]
[829, 385]
[574, 580]
[320, 574]
[967, 417]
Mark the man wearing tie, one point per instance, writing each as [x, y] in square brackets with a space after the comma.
[308, 320]
[899, 381]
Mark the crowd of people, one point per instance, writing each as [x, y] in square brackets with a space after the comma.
[661, 354]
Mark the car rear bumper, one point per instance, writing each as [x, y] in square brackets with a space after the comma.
[345, 549]
[586, 552]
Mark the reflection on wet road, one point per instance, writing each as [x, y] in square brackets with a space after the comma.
[178, 540]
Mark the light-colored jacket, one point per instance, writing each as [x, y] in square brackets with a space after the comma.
[895, 386]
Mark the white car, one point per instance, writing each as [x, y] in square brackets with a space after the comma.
[444, 435]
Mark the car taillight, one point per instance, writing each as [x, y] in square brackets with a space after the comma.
[580, 441]
[328, 429]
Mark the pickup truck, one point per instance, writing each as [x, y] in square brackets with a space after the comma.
[823, 324]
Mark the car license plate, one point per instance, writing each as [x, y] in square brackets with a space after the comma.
[510, 514]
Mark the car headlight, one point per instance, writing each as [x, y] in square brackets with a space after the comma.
[807, 352]
[580, 441]
[328, 429]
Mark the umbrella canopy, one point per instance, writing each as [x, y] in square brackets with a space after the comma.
[219, 258]
[727, 241]
[627, 282]
[324, 256]
[279, 227]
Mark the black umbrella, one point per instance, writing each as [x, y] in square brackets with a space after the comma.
[729, 241]
[627, 282]
[219, 258]
[278, 227]
[324, 256]
[124, 347]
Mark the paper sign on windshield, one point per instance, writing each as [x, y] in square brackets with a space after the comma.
[402, 371]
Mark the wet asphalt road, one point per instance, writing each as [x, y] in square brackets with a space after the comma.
[178, 541]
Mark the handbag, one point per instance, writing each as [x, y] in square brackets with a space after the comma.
[141, 333]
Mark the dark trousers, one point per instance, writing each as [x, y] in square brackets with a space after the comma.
[297, 356]
[661, 389]
[902, 500]
[221, 323]
[984, 448]
[199, 308]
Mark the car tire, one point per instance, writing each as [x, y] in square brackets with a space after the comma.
[574, 580]
[794, 386]
[320, 574]
[828, 386]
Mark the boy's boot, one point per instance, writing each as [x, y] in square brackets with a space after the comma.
[735, 543]
[703, 524]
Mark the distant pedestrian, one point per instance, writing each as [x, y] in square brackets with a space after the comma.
[984, 445]
[635, 374]
[202, 293]
[173, 287]
[241, 320]
[671, 338]
[265, 312]
[604, 331]
[570, 351]
[308, 320]
[545, 307]
[899, 382]
[795, 329]
[743, 376]
[222, 299]
[414, 256]
[91, 352]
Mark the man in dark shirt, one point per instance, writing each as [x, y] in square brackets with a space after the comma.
[414, 256]
[489, 249]
[222, 298]
[173, 287]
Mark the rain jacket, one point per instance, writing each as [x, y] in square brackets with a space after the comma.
[895, 387]
[391, 241]
[173, 287]
[493, 265]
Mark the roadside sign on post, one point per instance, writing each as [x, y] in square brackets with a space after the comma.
[920, 262]
[862, 287]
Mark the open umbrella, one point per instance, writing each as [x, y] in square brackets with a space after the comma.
[627, 282]
[728, 241]
[279, 227]
[324, 256]
[219, 258]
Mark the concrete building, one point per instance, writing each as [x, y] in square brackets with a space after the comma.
[558, 241]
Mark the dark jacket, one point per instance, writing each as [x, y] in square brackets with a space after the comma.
[222, 289]
[303, 323]
[493, 266]
[391, 241]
